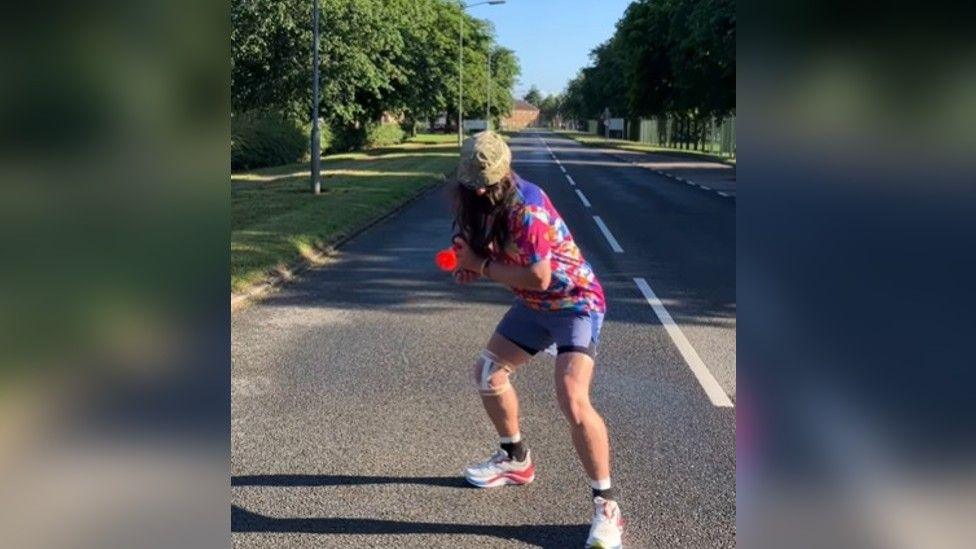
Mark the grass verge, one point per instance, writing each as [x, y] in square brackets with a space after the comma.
[276, 220]
[591, 140]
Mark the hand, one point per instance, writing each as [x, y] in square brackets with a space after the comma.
[467, 259]
[464, 276]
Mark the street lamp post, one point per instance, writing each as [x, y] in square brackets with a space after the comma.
[460, 71]
[316, 140]
[488, 92]
[461, 59]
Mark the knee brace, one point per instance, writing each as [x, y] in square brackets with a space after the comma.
[491, 374]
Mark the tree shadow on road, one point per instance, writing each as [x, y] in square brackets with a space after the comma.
[343, 480]
[540, 535]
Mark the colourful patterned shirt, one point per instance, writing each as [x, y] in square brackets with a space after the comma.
[538, 233]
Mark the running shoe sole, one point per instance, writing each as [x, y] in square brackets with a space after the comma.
[599, 545]
[502, 479]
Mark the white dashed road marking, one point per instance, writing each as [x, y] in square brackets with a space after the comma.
[606, 233]
[570, 178]
[705, 378]
[582, 198]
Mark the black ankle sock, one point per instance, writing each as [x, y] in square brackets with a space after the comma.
[609, 493]
[515, 450]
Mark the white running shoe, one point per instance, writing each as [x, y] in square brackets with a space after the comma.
[500, 470]
[607, 526]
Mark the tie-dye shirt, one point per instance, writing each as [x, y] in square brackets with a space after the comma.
[538, 233]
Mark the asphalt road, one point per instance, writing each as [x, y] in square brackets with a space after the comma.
[353, 413]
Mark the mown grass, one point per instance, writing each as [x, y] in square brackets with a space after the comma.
[275, 219]
[597, 141]
[433, 138]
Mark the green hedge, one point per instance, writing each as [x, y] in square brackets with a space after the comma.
[265, 138]
[347, 138]
[366, 136]
[384, 135]
[262, 138]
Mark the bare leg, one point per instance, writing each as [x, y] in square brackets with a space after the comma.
[574, 371]
[503, 408]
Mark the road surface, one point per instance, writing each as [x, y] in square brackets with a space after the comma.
[353, 413]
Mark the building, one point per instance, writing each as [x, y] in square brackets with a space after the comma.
[523, 114]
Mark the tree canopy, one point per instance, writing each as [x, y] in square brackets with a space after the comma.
[549, 106]
[666, 57]
[533, 96]
[377, 56]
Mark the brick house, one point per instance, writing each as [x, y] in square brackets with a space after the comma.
[523, 114]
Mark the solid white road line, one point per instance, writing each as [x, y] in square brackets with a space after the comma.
[582, 198]
[606, 234]
[705, 378]
[570, 178]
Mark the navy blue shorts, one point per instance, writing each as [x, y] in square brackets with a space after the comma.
[534, 330]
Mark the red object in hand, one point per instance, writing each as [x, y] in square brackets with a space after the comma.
[446, 259]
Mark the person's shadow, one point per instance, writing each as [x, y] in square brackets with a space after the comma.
[540, 535]
[343, 480]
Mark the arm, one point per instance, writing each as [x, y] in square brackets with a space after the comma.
[535, 277]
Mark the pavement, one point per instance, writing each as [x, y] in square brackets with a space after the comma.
[353, 414]
[701, 172]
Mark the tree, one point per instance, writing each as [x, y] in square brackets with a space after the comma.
[549, 107]
[645, 30]
[605, 86]
[377, 56]
[534, 96]
[362, 54]
[705, 51]
[431, 61]
[574, 104]
[674, 57]
[505, 70]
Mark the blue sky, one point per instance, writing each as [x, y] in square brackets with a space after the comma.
[552, 38]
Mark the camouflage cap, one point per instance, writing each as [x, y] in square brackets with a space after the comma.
[485, 160]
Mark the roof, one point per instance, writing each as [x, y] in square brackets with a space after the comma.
[521, 105]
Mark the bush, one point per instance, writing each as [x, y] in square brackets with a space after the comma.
[366, 136]
[383, 135]
[262, 138]
[347, 138]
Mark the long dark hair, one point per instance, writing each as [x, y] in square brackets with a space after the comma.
[483, 220]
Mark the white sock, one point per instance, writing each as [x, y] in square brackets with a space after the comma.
[602, 484]
[517, 437]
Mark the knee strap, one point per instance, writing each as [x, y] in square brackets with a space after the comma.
[490, 364]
